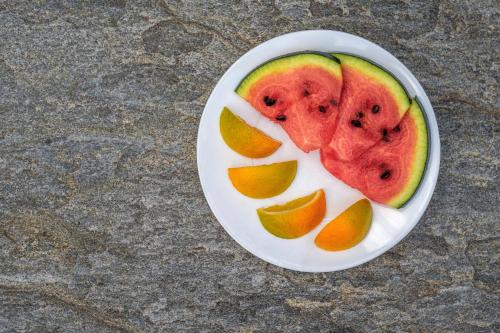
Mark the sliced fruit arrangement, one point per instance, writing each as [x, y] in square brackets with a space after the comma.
[295, 218]
[391, 171]
[373, 102]
[299, 91]
[263, 181]
[370, 135]
[347, 229]
[245, 139]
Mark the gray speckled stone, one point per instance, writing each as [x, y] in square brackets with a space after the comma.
[103, 224]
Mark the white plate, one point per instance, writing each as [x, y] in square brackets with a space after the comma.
[236, 213]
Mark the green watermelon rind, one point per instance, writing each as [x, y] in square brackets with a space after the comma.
[421, 156]
[287, 62]
[380, 74]
[406, 104]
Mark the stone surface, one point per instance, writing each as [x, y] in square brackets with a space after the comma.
[103, 224]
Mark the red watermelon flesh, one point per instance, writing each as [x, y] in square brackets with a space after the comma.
[390, 171]
[300, 92]
[373, 102]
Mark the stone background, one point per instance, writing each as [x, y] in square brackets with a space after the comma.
[103, 224]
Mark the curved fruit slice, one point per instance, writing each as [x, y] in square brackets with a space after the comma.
[295, 218]
[299, 91]
[373, 102]
[263, 181]
[243, 138]
[389, 172]
[347, 229]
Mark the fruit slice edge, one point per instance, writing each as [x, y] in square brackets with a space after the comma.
[284, 63]
[420, 156]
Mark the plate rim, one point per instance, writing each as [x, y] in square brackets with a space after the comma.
[434, 148]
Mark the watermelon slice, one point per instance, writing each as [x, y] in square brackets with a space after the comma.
[373, 102]
[299, 91]
[390, 171]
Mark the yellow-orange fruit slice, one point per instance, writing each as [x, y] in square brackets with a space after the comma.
[263, 181]
[295, 218]
[245, 139]
[347, 229]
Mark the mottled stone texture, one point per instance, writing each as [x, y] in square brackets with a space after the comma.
[103, 224]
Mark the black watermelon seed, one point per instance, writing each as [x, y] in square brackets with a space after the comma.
[386, 174]
[375, 108]
[396, 129]
[333, 102]
[356, 123]
[360, 114]
[281, 117]
[269, 101]
[322, 109]
[306, 93]
[385, 134]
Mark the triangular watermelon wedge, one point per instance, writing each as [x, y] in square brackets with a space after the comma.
[372, 103]
[390, 171]
[300, 91]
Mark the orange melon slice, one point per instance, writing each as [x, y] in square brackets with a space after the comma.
[245, 139]
[295, 218]
[263, 181]
[347, 229]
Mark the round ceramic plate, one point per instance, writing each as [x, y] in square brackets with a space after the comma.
[237, 213]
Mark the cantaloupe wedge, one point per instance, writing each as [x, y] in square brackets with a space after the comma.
[347, 229]
[295, 218]
[245, 139]
[263, 181]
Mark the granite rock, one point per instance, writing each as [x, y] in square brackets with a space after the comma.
[103, 224]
